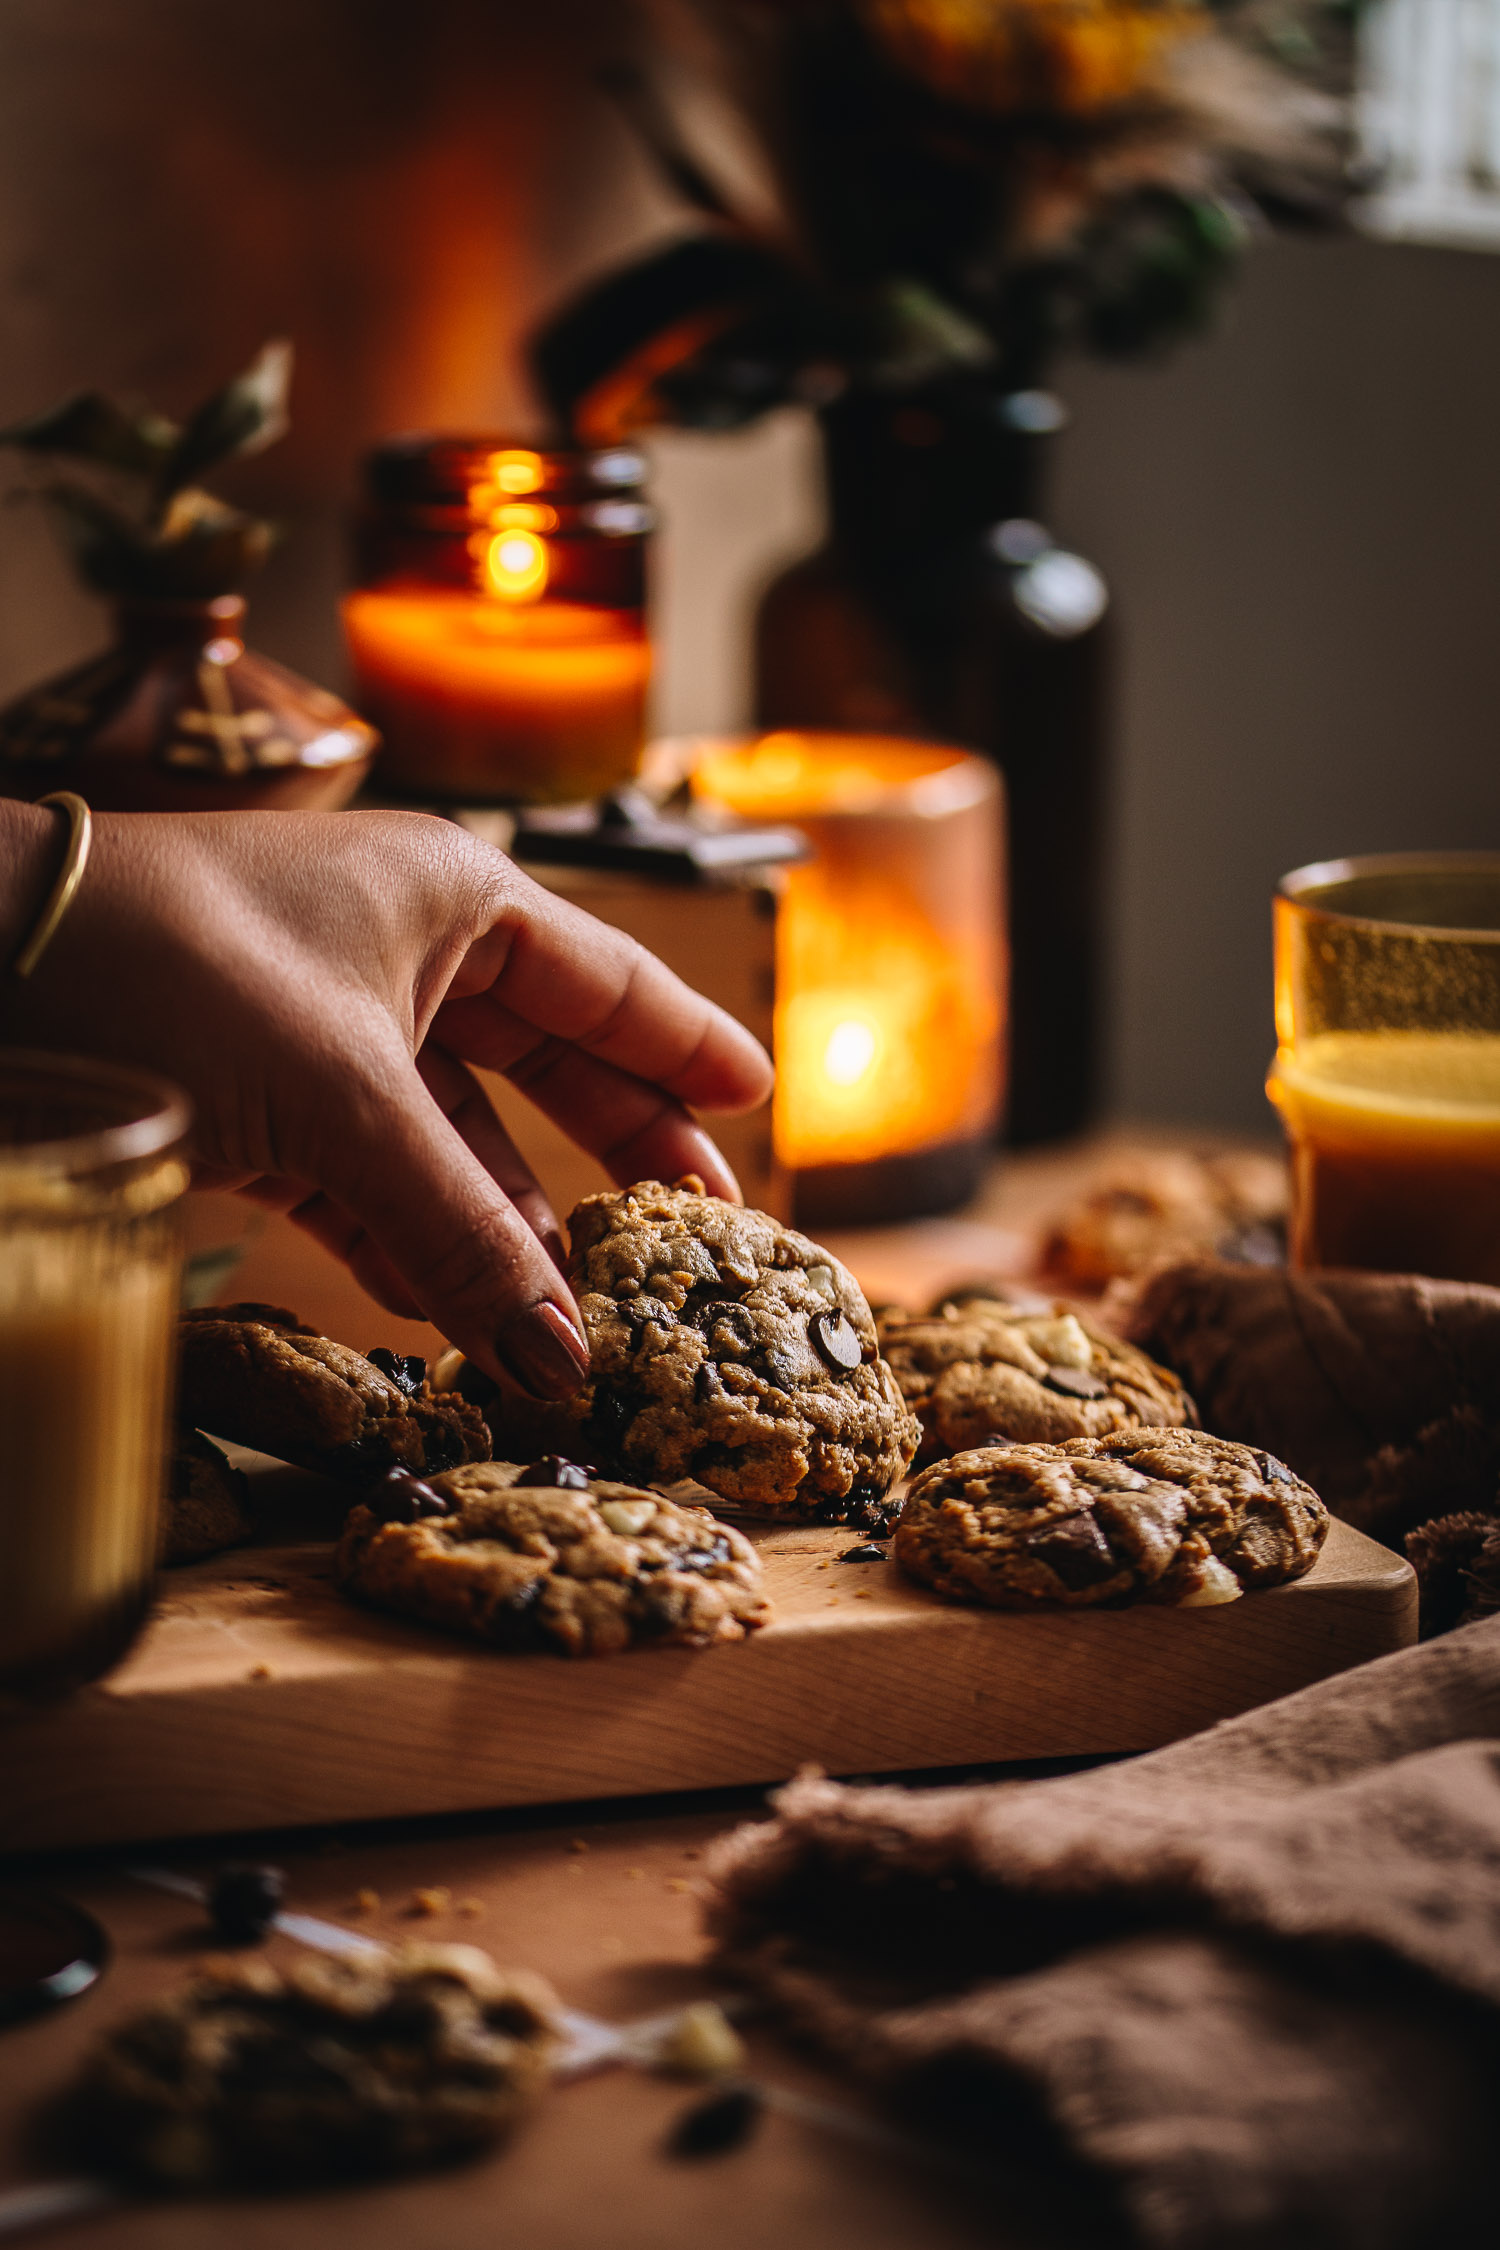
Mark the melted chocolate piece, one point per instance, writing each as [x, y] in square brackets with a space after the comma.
[1075, 1382]
[552, 1469]
[399, 1497]
[1074, 1550]
[868, 1552]
[837, 1339]
[1274, 1471]
[408, 1370]
[721, 2122]
[712, 1313]
[244, 1901]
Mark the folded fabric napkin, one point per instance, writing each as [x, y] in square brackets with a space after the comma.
[1251, 1981]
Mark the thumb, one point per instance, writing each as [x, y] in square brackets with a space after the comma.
[464, 1251]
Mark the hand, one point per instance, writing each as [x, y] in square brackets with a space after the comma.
[319, 984]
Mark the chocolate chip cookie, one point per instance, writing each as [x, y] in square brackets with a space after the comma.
[1165, 1516]
[732, 1350]
[982, 1368]
[1167, 1203]
[550, 1556]
[326, 2069]
[205, 1507]
[256, 1374]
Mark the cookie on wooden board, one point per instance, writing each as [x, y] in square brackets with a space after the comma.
[324, 2069]
[256, 1374]
[1145, 1515]
[551, 1556]
[204, 1510]
[729, 1349]
[982, 1368]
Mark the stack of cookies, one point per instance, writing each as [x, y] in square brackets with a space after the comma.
[736, 1367]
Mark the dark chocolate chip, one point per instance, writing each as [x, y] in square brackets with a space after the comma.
[513, 1625]
[408, 1371]
[724, 2120]
[400, 1497]
[710, 1314]
[703, 1558]
[837, 1339]
[868, 1552]
[1274, 1471]
[610, 1417]
[1075, 1382]
[706, 1384]
[473, 1384]
[552, 1469]
[1074, 1550]
[243, 1902]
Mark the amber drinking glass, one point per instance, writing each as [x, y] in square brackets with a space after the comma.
[90, 1178]
[1387, 1072]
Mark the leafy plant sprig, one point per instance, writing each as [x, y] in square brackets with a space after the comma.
[122, 484]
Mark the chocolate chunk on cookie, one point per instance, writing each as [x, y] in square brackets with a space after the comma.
[527, 1560]
[255, 1374]
[730, 1349]
[205, 1509]
[982, 1368]
[1145, 1515]
[325, 2069]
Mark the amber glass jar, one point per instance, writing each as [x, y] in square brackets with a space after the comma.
[497, 625]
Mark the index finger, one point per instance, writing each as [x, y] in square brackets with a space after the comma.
[575, 978]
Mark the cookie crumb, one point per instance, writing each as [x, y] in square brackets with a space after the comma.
[678, 1883]
[259, 1672]
[365, 1902]
[702, 2043]
[435, 1899]
[471, 1908]
[636, 1874]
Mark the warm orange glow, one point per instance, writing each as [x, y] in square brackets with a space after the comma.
[536, 700]
[888, 942]
[516, 471]
[515, 566]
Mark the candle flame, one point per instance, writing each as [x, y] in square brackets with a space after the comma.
[516, 470]
[515, 565]
[851, 1051]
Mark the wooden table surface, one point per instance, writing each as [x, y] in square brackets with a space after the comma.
[614, 1925]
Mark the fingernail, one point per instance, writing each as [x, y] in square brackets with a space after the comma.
[542, 1350]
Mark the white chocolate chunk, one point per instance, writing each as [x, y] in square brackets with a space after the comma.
[627, 1518]
[1216, 1583]
[1060, 1340]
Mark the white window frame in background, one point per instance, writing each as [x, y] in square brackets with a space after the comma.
[1429, 120]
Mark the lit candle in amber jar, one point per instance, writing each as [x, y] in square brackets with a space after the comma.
[890, 969]
[497, 633]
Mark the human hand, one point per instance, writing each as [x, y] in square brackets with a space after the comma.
[320, 983]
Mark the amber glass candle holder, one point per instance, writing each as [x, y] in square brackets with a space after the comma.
[1387, 1071]
[497, 629]
[890, 971]
[90, 1178]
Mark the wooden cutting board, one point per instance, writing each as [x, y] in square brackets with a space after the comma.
[259, 1697]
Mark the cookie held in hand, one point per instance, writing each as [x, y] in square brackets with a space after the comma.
[550, 1556]
[327, 2069]
[255, 1374]
[729, 1349]
[1162, 1516]
[982, 1368]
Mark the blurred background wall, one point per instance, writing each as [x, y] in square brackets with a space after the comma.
[1300, 518]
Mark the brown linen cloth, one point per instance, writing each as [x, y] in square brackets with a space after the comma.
[1252, 1981]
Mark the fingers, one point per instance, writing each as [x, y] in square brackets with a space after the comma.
[574, 978]
[635, 1130]
[410, 1182]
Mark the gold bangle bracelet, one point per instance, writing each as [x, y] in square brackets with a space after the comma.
[70, 875]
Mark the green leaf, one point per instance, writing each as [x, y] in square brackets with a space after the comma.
[91, 427]
[247, 415]
[906, 334]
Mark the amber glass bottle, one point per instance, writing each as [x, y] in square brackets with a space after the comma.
[941, 606]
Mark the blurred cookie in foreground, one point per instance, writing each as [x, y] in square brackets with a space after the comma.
[729, 1349]
[1171, 1205]
[1172, 1517]
[205, 1507]
[981, 1368]
[258, 1375]
[551, 1556]
[328, 2069]
[1457, 1562]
